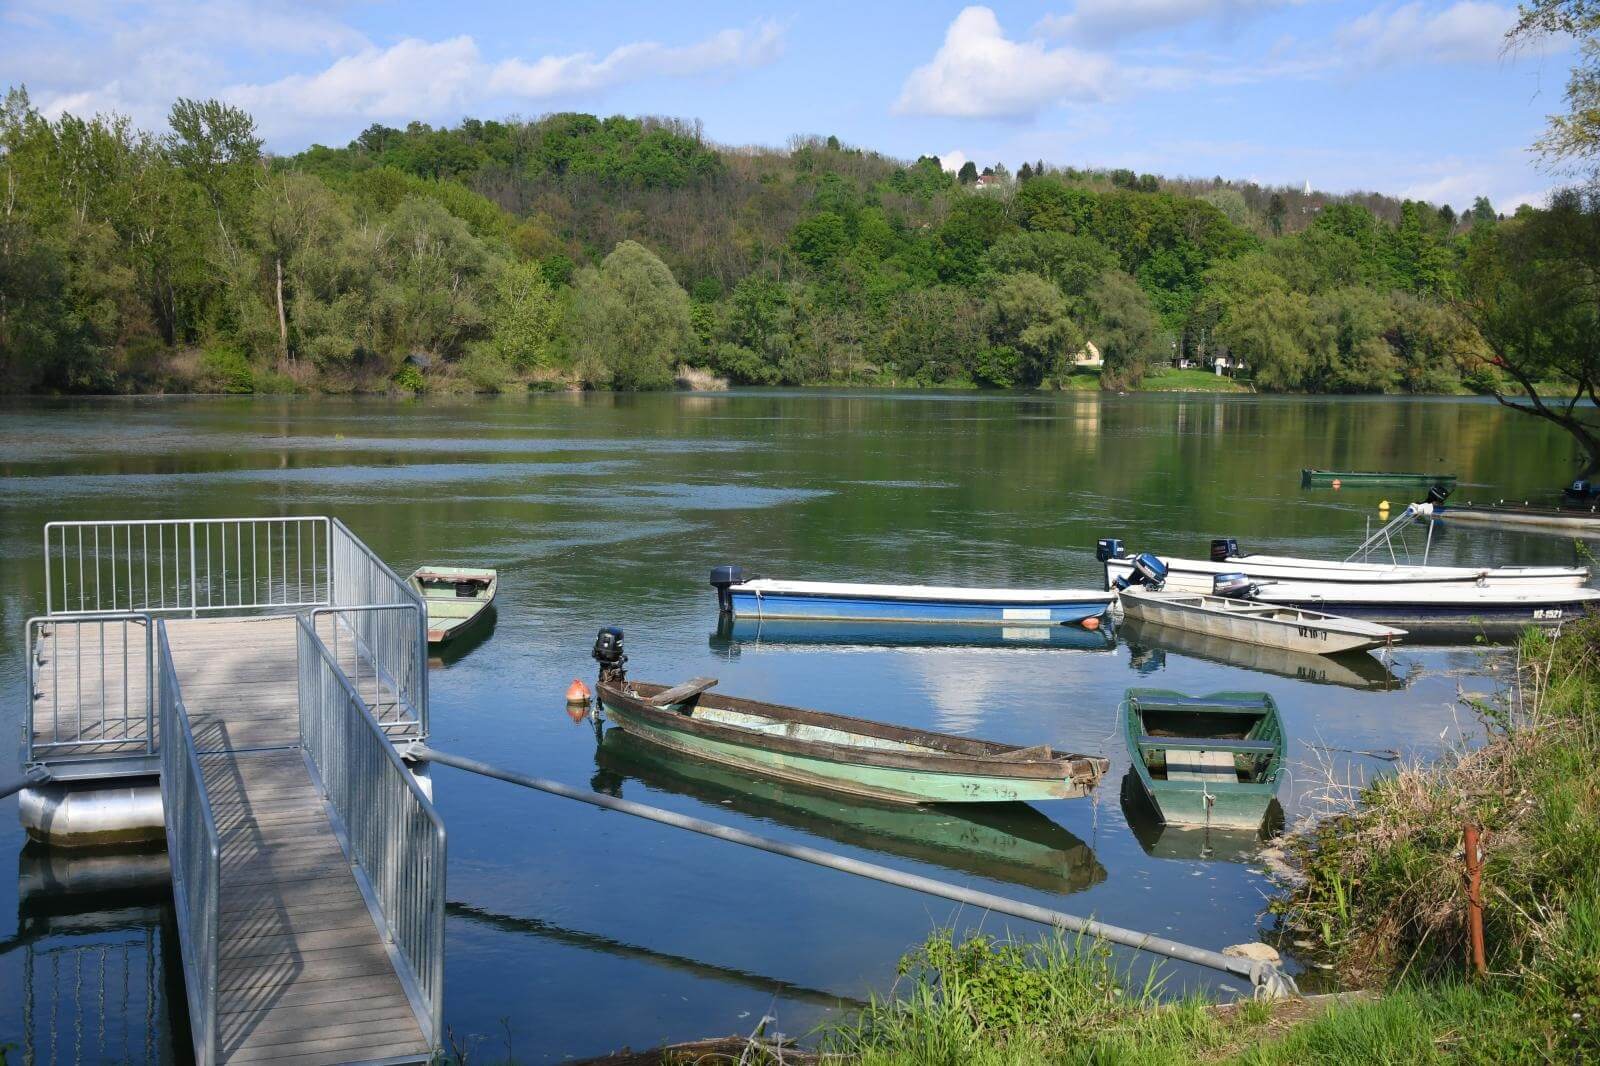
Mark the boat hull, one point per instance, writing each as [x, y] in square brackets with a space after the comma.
[910, 603]
[1414, 582]
[1539, 518]
[1253, 623]
[1442, 614]
[789, 757]
[1309, 478]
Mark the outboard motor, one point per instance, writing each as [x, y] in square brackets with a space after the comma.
[1108, 548]
[1223, 549]
[1234, 586]
[609, 654]
[722, 579]
[1148, 571]
[1437, 494]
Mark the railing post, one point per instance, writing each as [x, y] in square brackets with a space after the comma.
[194, 589]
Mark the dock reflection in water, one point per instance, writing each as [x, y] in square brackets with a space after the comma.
[101, 980]
[1007, 842]
[1190, 841]
[732, 635]
[1361, 670]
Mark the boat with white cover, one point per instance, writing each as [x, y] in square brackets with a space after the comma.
[1405, 580]
[1270, 625]
[767, 598]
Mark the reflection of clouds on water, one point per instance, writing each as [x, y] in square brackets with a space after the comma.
[343, 477]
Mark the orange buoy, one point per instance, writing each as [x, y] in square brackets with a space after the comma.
[1091, 623]
[577, 692]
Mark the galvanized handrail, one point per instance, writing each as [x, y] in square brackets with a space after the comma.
[195, 852]
[187, 565]
[120, 681]
[358, 578]
[387, 664]
[393, 835]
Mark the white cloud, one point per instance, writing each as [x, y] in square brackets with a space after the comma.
[1468, 31]
[558, 75]
[1105, 20]
[979, 73]
[412, 79]
[953, 160]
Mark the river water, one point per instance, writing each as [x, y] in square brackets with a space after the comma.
[574, 932]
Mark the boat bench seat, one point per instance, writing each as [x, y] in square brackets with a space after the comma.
[1238, 747]
[1190, 704]
[686, 691]
[1193, 765]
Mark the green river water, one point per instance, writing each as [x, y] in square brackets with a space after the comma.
[573, 932]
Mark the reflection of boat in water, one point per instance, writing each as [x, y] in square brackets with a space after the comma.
[1357, 670]
[734, 634]
[1009, 842]
[1189, 841]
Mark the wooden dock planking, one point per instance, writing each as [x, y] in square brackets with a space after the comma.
[304, 975]
[294, 928]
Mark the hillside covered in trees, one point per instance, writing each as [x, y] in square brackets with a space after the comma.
[610, 252]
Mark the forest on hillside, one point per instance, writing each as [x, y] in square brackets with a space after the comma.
[611, 252]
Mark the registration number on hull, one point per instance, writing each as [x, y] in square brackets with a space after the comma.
[1543, 614]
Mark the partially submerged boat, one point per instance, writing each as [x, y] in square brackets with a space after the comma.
[1270, 625]
[1582, 520]
[458, 599]
[875, 760]
[767, 598]
[1319, 478]
[1205, 760]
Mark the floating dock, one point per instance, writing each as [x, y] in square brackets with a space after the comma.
[265, 669]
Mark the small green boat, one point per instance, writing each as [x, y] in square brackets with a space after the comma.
[876, 760]
[458, 599]
[1323, 478]
[1205, 760]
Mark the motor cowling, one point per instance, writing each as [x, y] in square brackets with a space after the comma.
[609, 654]
[1437, 494]
[1108, 548]
[723, 578]
[1147, 570]
[1223, 549]
[1234, 586]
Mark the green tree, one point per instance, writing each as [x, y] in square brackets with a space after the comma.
[630, 322]
[1124, 328]
[523, 314]
[1532, 288]
[1029, 315]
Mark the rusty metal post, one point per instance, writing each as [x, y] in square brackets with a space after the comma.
[1475, 896]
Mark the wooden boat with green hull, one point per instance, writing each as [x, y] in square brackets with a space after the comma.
[1323, 478]
[1012, 843]
[1205, 760]
[458, 599]
[883, 762]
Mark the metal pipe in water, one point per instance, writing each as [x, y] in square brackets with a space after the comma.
[1268, 980]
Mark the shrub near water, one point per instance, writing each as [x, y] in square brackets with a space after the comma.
[1384, 892]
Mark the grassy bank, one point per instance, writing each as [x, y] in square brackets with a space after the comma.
[1379, 895]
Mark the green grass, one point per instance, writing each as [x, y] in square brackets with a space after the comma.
[1174, 380]
[1382, 900]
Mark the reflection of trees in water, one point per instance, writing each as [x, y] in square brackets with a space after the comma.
[620, 949]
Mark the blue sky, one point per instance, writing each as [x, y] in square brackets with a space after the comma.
[1413, 98]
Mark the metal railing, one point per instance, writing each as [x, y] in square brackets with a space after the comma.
[90, 679]
[358, 578]
[188, 565]
[377, 649]
[194, 851]
[393, 835]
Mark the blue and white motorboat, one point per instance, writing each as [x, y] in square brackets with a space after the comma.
[766, 598]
